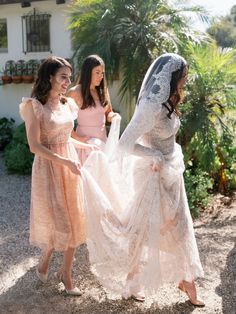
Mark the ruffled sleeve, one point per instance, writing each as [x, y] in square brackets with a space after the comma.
[73, 107]
[37, 107]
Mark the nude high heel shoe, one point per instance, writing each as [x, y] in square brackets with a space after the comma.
[190, 289]
[42, 277]
[138, 296]
[74, 291]
[133, 291]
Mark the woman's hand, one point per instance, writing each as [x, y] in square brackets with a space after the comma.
[157, 162]
[111, 115]
[92, 147]
[83, 139]
[74, 166]
[115, 115]
[155, 167]
[79, 138]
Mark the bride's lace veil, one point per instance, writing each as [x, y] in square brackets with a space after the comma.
[156, 84]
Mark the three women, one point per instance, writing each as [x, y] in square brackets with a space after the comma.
[152, 241]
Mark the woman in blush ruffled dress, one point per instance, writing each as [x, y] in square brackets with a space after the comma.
[56, 216]
[92, 97]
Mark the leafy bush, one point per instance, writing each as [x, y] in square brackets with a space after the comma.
[198, 185]
[208, 122]
[6, 130]
[225, 177]
[18, 157]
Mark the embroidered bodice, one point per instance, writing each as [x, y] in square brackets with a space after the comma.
[56, 123]
[162, 136]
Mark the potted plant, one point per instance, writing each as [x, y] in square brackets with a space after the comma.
[36, 65]
[6, 78]
[18, 71]
[28, 73]
[8, 72]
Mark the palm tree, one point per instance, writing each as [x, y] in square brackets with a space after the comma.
[208, 120]
[129, 34]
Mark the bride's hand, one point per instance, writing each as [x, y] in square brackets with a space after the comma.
[157, 162]
[155, 167]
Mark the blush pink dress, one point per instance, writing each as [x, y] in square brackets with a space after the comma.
[91, 123]
[56, 216]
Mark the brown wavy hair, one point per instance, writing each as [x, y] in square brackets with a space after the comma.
[84, 79]
[175, 96]
[48, 68]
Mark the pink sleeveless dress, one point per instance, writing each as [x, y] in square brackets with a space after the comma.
[91, 123]
[56, 214]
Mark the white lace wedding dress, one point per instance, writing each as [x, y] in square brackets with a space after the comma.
[138, 220]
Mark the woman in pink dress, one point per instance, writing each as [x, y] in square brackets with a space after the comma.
[92, 97]
[56, 216]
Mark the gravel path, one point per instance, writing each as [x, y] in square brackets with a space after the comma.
[22, 293]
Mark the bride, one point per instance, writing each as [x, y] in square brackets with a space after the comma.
[139, 228]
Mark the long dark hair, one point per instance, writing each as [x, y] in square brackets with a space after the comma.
[48, 68]
[84, 80]
[175, 96]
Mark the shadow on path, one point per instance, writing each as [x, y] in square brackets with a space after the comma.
[227, 288]
[28, 295]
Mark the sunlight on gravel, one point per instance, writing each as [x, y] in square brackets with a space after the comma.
[14, 273]
[22, 293]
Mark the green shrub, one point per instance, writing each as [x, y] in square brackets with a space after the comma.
[198, 185]
[6, 130]
[226, 176]
[18, 157]
[207, 135]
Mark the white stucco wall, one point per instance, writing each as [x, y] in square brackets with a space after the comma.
[11, 94]
[123, 106]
